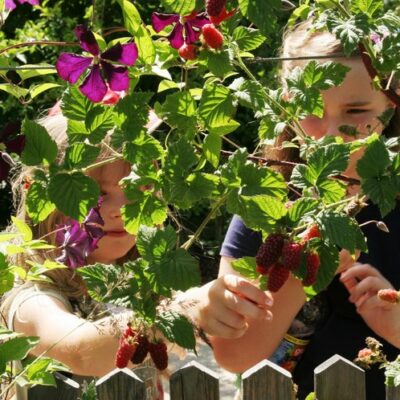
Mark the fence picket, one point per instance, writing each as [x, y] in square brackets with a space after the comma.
[339, 379]
[392, 392]
[267, 381]
[66, 389]
[121, 384]
[194, 382]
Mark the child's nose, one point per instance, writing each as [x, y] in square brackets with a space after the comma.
[115, 204]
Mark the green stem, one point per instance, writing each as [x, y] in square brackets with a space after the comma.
[101, 163]
[37, 43]
[206, 220]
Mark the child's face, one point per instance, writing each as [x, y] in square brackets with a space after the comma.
[352, 103]
[117, 242]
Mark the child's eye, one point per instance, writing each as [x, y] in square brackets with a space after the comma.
[356, 111]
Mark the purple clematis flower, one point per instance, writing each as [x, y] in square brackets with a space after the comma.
[12, 143]
[70, 67]
[78, 242]
[186, 29]
[12, 4]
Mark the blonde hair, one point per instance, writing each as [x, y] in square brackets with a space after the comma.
[66, 281]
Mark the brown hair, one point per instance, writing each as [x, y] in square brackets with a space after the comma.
[303, 41]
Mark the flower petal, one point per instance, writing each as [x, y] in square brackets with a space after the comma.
[70, 66]
[117, 77]
[94, 87]
[123, 54]
[31, 2]
[191, 35]
[199, 21]
[87, 40]
[10, 5]
[160, 21]
[176, 36]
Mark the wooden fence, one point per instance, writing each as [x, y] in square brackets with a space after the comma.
[335, 379]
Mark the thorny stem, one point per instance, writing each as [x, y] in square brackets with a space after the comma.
[201, 227]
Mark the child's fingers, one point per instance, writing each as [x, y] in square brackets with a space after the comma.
[370, 284]
[346, 260]
[248, 290]
[359, 271]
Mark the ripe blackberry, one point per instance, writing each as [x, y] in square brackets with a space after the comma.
[312, 262]
[291, 255]
[278, 275]
[124, 353]
[270, 251]
[215, 7]
[142, 348]
[159, 355]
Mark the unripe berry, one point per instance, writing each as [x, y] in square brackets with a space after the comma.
[212, 36]
[188, 51]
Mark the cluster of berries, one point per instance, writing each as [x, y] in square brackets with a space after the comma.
[134, 346]
[278, 256]
[389, 295]
[212, 37]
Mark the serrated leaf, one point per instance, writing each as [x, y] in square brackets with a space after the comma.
[368, 7]
[332, 191]
[212, 148]
[216, 107]
[177, 329]
[17, 348]
[38, 204]
[23, 228]
[181, 7]
[248, 38]
[250, 94]
[343, 231]
[74, 104]
[382, 191]
[73, 193]
[246, 266]
[329, 258]
[256, 12]
[218, 63]
[300, 208]
[374, 161]
[80, 155]
[39, 147]
[148, 210]
[6, 276]
[142, 148]
[99, 120]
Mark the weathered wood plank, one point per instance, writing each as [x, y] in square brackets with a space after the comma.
[392, 392]
[267, 381]
[339, 379]
[194, 382]
[121, 384]
[66, 389]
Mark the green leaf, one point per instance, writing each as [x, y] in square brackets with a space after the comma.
[212, 148]
[178, 271]
[32, 72]
[98, 121]
[341, 230]
[181, 7]
[250, 94]
[14, 90]
[35, 90]
[23, 228]
[17, 348]
[374, 161]
[40, 371]
[80, 155]
[145, 45]
[132, 19]
[179, 110]
[108, 283]
[246, 267]
[300, 208]
[368, 7]
[329, 258]
[38, 204]
[142, 148]
[148, 210]
[248, 38]
[216, 109]
[6, 276]
[74, 104]
[350, 31]
[382, 191]
[74, 194]
[177, 329]
[256, 11]
[39, 146]
[332, 191]
[218, 63]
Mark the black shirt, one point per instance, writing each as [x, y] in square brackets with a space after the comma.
[343, 332]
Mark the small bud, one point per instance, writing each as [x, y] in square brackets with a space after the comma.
[7, 158]
[382, 226]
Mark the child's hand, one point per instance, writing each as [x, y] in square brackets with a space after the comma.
[346, 260]
[223, 306]
[363, 282]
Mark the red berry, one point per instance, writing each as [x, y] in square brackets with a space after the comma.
[270, 250]
[291, 255]
[212, 36]
[312, 262]
[389, 295]
[278, 275]
[365, 353]
[124, 353]
[159, 355]
[188, 51]
[262, 270]
[311, 233]
[214, 7]
[142, 349]
[128, 332]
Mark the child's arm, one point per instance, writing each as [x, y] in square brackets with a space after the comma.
[235, 312]
[363, 282]
[88, 348]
